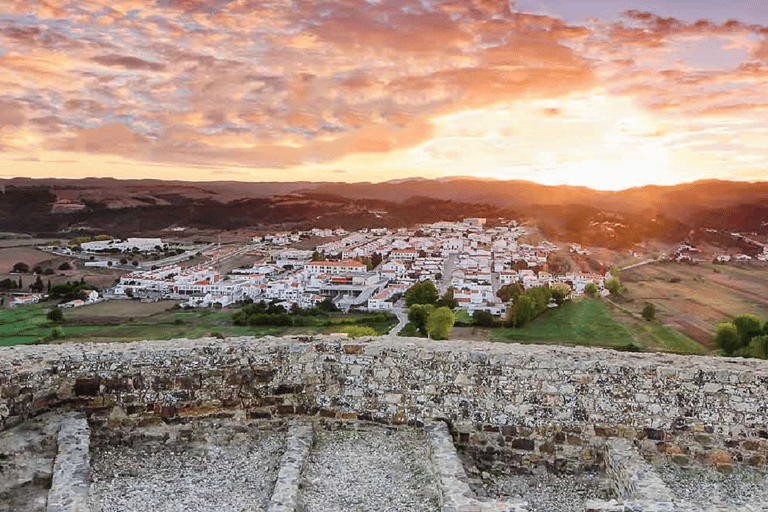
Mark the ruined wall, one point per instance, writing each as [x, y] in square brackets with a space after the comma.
[531, 402]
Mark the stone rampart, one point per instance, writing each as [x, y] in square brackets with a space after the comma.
[531, 402]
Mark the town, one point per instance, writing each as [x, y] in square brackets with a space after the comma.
[369, 269]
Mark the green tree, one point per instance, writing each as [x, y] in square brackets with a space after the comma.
[615, 271]
[649, 311]
[38, 285]
[423, 292]
[747, 326]
[765, 328]
[613, 285]
[316, 256]
[447, 299]
[483, 319]
[560, 292]
[590, 290]
[758, 346]
[418, 315]
[522, 312]
[727, 338]
[65, 266]
[55, 315]
[440, 323]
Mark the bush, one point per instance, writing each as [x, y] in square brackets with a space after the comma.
[409, 330]
[483, 319]
[65, 266]
[440, 323]
[613, 286]
[590, 290]
[747, 327]
[20, 267]
[727, 338]
[55, 315]
[217, 334]
[359, 331]
[649, 311]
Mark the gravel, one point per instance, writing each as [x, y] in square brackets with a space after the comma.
[234, 474]
[370, 469]
[545, 493]
[705, 485]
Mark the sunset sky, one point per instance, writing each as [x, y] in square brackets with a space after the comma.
[603, 93]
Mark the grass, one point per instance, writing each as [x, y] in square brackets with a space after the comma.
[581, 322]
[123, 321]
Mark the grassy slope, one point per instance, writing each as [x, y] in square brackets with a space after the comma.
[584, 322]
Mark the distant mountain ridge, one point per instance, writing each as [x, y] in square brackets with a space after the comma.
[593, 216]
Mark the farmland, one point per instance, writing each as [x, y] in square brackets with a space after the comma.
[694, 298]
[125, 320]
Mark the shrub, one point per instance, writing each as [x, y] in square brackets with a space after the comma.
[727, 338]
[217, 334]
[20, 267]
[758, 347]
[613, 286]
[359, 331]
[590, 290]
[747, 327]
[55, 315]
[649, 311]
[65, 266]
[483, 319]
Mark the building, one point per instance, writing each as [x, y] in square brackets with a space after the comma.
[335, 267]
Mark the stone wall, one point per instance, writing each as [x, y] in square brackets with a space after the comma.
[530, 403]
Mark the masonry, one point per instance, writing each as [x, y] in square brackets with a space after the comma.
[532, 403]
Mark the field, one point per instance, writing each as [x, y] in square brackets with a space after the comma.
[694, 298]
[133, 320]
[583, 322]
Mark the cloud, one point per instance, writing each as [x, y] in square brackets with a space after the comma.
[127, 62]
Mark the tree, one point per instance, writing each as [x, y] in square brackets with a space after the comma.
[440, 323]
[510, 292]
[560, 292]
[615, 271]
[327, 305]
[590, 290]
[423, 292]
[316, 256]
[20, 267]
[123, 261]
[65, 266]
[418, 314]
[447, 299]
[747, 326]
[135, 263]
[727, 338]
[38, 285]
[614, 286]
[55, 315]
[765, 328]
[758, 346]
[649, 311]
[483, 319]
[521, 312]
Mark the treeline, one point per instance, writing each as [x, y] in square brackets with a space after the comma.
[746, 336]
[264, 314]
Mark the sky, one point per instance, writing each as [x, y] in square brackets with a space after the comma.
[607, 94]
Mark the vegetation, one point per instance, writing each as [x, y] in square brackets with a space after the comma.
[440, 323]
[582, 322]
[418, 314]
[649, 311]
[590, 290]
[423, 292]
[613, 285]
[358, 331]
[727, 338]
[528, 306]
[20, 268]
[55, 315]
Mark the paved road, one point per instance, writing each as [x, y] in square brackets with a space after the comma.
[402, 319]
[448, 268]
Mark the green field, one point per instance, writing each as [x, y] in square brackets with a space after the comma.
[584, 322]
[98, 323]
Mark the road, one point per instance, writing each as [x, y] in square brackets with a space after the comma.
[644, 262]
[448, 268]
[402, 319]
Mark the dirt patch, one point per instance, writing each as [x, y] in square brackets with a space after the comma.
[119, 309]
